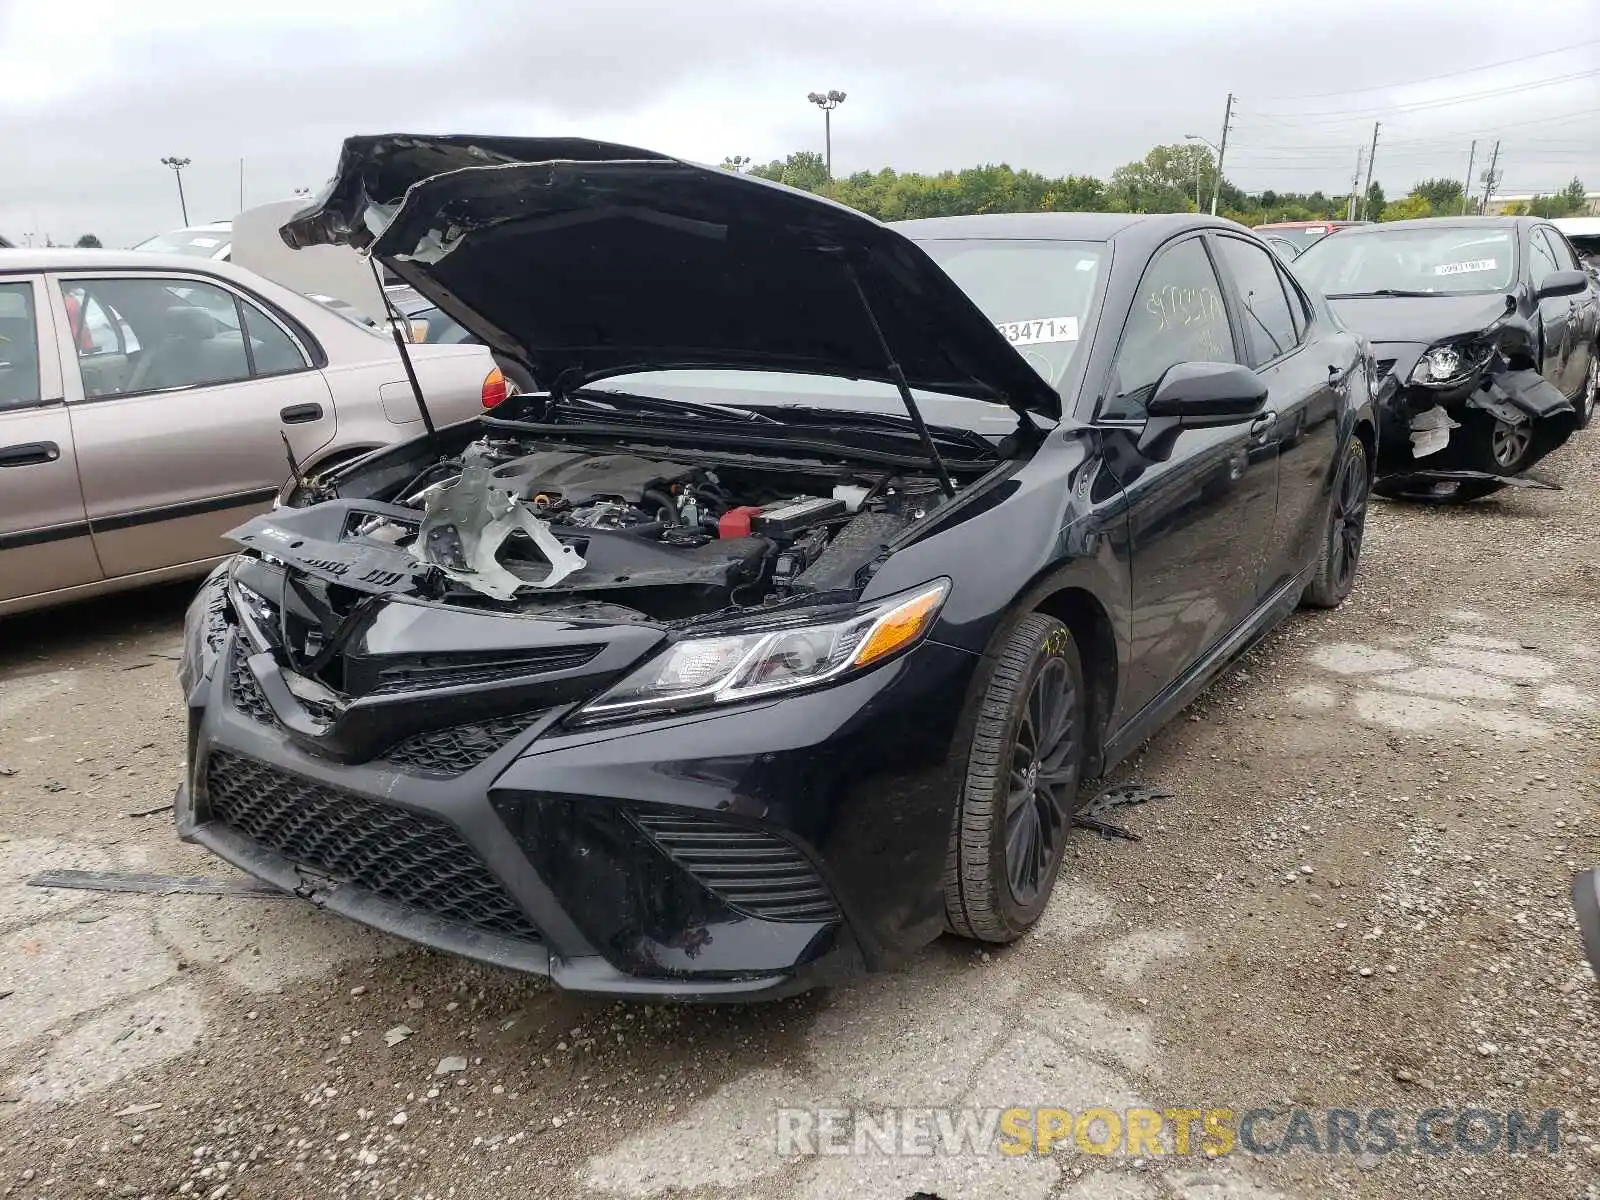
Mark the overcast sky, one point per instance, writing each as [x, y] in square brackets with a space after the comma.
[93, 93]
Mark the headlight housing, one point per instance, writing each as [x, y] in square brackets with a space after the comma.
[725, 668]
[1451, 364]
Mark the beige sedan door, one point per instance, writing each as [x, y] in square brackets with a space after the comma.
[180, 436]
[44, 534]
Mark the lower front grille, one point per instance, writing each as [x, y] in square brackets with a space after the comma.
[403, 856]
[459, 748]
[244, 691]
[748, 869]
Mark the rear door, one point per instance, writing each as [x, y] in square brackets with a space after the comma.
[44, 533]
[1301, 377]
[183, 438]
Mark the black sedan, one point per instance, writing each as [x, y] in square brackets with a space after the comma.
[1485, 329]
[774, 633]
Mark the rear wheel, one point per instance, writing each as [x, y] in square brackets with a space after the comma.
[1347, 526]
[1021, 789]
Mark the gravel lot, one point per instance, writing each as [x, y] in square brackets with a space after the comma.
[1357, 898]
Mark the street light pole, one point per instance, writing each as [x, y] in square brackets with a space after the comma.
[178, 164]
[827, 102]
[1195, 137]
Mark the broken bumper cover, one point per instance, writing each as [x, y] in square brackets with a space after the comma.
[740, 854]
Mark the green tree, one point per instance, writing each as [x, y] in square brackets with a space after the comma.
[1444, 195]
[88, 241]
[1576, 197]
[1164, 180]
[1375, 201]
[804, 169]
[1568, 201]
[1408, 209]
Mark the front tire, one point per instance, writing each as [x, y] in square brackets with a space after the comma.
[1021, 789]
[1346, 528]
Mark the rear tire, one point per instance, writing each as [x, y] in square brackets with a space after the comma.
[1346, 527]
[1021, 789]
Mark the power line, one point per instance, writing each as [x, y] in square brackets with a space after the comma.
[1377, 87]
[1487, 128]
[1321, 116]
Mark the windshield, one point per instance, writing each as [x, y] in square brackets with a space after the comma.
[1448, 260]
[1039, 294]
[202, 242]
[1301, 237]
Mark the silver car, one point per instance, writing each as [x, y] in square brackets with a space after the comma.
[145, 400]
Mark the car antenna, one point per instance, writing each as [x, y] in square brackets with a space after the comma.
[899, 377]
[405, 356]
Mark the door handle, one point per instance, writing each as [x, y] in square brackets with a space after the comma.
[1262, 425]
[298, 414]
[29, 454]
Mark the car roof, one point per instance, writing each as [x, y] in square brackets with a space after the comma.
[1577, 226]
[1060, 226]
[1468, 222]
[59, 258]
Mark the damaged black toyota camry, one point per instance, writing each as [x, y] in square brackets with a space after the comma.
[1485, 330]
[772, 632]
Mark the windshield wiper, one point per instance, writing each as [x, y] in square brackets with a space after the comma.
[602, 396]
[1382, 292]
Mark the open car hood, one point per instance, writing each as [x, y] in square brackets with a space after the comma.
[583, 260]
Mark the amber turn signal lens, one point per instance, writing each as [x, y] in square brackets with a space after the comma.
[900, 626]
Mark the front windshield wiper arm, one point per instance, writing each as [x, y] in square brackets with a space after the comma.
[660, 404]
[1382, 292]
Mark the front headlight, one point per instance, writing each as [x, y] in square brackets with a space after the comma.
[701, 671]
[1445, 366]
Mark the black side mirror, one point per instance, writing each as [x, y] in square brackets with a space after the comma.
[1198, 395]
[1562, 283]
[1586, 903]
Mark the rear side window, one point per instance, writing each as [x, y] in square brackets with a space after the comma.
[1269, 329]
[19, 347]
[1178, 316]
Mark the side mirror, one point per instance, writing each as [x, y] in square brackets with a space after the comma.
[1586, 903]
[1198, 395]
[1562, 283]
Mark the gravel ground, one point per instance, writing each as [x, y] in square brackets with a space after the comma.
[1356, 898]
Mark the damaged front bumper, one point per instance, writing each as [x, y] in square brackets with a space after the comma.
[1440, 439]
[741, 854]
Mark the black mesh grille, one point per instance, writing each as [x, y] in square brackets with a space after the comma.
[751, 870]
[244, 691]
[403, 856]
[460, 748]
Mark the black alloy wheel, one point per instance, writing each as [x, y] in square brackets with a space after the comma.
[1347, 526]
[1021, 792]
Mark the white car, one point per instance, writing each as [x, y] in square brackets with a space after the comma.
[213, 241]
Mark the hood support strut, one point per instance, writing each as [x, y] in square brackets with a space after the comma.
[899, 377]
[395, 320]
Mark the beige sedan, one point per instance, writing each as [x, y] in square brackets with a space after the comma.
[144, 404]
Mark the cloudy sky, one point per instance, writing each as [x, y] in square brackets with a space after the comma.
[93, 93]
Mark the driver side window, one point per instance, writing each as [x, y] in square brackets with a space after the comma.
[1178, 316]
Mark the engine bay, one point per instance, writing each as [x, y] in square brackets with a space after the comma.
[546, 530]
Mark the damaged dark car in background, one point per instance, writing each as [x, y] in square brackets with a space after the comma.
[772, 634]
[1484, 330]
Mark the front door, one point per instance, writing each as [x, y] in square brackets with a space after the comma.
[179, 410]
[1200, 522]
[44, 534]
[1557, 317]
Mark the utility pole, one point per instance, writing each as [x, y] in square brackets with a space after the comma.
[178, 164]
[827, 102]
[1366, 193]
[1466, 182]
[1489, 179]
[1355, 184]
[1222, 150]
